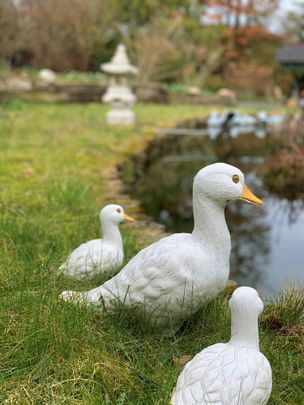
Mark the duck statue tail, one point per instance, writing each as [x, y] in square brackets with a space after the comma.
[82, 298]
[63, 268]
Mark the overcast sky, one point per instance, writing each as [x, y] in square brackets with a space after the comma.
[285, 7]
[274, 23]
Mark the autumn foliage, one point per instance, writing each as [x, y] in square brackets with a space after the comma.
[168, 40]
[244, 38]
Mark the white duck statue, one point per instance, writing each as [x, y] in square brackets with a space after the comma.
[176, 275]
[99, 256]
[233, 373]
[214, 119]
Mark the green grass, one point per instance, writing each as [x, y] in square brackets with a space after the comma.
[52, 177]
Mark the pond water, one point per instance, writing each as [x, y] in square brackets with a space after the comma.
[267, 241]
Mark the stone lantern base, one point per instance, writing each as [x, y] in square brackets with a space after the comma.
[120, 115]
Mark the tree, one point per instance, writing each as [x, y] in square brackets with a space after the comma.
[294, 23]
[237, 13]
[180, 50]
[139, 13]
[62, 34]
[80, 34]
[9, 29]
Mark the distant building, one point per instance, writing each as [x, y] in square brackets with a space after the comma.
[291, 58]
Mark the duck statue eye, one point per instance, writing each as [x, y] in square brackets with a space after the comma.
[235, 178]
[118, 210]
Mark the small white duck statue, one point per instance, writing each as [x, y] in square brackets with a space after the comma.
[214, 119]
[233, 373]
[99, 256]
[175, 276]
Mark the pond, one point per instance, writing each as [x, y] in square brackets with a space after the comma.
[267, 241]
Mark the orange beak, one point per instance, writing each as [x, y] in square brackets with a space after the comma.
[250, 197]
[128, 218]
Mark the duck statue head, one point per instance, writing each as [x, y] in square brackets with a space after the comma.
[113, 214]
[222, 183]
[246, 306]
[214, 187]
[110, 217]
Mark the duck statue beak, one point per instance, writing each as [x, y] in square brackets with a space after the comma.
[250, 197]
[128, 218]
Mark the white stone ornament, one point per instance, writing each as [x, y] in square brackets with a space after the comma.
[47, 75]
[99, 256]
[119, 94]
[233, 373]
[175, 276]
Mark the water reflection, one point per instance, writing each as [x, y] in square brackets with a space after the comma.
[233, 124]
[267, 248]
[249, 236]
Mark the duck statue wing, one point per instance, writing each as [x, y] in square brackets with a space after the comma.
[224, 375]
[166, 275]
[153, 272]
[95, 256]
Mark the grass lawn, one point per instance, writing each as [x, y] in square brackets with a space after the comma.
[53, 159]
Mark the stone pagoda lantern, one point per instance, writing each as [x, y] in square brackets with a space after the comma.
[119, 94]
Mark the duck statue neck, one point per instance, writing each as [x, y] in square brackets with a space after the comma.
[210, 226]
[245, 307]
[111, 232]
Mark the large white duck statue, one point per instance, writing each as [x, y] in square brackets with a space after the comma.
[178, 274]
[233, 373]
[99, 256]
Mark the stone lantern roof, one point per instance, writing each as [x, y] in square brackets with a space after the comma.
[119, 64]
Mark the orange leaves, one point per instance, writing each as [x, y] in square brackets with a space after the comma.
[245, 36]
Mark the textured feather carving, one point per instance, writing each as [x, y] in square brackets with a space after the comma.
[95, 256]
[225, 375]
[168, 279]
